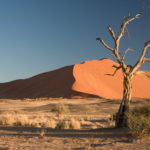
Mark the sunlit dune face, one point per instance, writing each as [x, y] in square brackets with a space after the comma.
[96, 77]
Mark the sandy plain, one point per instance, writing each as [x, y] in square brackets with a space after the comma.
[96, 131]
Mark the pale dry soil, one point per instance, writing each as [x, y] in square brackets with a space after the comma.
[96, 133]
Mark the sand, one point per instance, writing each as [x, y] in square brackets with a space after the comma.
[98, 136]
[89, 79]
[96, 77]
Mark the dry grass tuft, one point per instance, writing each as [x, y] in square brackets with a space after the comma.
[86, 109]
[60, 108]
[62, 125]
[71, 124]
[24, 120]
[75, 124]
[7, 119]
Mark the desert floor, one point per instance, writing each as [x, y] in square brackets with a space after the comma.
[96, 130]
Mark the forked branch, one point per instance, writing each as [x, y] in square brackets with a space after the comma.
[125, 52]
[117, 68]
[126, 21]
[141, 59]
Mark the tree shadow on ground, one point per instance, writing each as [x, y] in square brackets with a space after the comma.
[94, 133]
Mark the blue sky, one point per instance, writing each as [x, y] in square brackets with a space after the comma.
[42, 35]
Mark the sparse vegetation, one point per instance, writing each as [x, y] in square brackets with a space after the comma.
[61, 108]
[38, 114]
[86, 109]
[71, 124]
[73, 113]
[24, 120]
[62, 125]
[112, 119]
[7, 120]
[74, 124]
[139, 121]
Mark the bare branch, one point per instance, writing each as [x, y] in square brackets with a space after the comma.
[142, 8]
[125, 52]
[141, 59]
[146, 59]
[117, 68]
[113, 55]
[127, 32]
[125, 22]
[111, 32]
[142, 73]
[105, 44]
[147, 43]
[114, 66]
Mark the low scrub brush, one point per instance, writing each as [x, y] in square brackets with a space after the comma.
[139, 121]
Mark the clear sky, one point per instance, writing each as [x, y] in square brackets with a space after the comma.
[42, 35]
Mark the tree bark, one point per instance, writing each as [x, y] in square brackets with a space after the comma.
[121, 118]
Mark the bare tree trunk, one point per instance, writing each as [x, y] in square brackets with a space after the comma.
[121, 119]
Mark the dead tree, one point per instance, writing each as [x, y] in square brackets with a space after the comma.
[128, 71]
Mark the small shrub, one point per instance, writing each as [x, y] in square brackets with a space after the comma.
[37, 125]
[86, 109]
[112, 119]
[139, 121]
[7, 120]
[62, 125]
[22, 121]
[74, 124]
[51, 123]
[61, 109]
[71, 124]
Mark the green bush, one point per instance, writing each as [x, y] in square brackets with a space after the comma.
[139, 121]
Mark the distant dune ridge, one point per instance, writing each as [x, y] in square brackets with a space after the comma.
[89, 79]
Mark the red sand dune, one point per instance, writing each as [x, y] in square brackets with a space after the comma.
[57, 83]
[81, 80]
[95, 77]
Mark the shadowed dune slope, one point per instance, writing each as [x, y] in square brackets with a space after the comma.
[95, 77]
[57, 83]
[89, 79]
